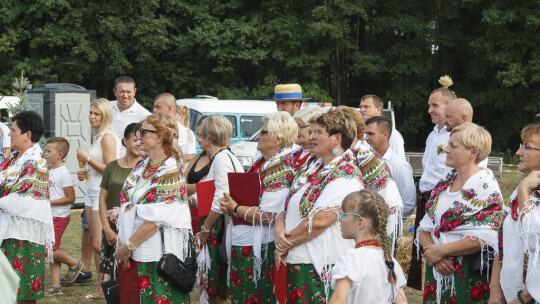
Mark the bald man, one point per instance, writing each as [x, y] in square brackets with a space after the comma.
[457, 112]
[166, 103]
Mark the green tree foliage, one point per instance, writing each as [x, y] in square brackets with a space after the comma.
[338, 50]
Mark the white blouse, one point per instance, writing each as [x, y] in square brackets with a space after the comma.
[366, 268]
[96, 152]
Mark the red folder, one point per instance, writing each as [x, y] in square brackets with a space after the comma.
[280, 283]
[244, 189]
[205, 196]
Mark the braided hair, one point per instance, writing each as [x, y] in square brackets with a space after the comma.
[371, 205]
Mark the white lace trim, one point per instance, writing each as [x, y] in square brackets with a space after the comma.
[23, 228]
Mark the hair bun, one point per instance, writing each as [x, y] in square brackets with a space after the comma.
[389, 264]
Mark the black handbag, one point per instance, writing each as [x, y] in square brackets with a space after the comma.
[180, 274]
[111, 290]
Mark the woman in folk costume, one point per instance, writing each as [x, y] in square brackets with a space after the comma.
[376, 176]
[460, 226]
[153, 197]
[26, 227]
[529, 214]
[301, 155]
[508, 281]
[252, 254]
[307, 234]
[216, 136]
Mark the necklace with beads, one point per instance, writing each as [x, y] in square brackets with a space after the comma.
[151, 168]
[298, 162]
[370, 242]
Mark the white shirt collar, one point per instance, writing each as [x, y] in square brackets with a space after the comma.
[388, 154]
[130, 109]
[436, 129]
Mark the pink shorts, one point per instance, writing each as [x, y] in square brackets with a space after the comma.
[60, 224]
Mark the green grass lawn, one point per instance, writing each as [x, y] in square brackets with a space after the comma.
[71, 243]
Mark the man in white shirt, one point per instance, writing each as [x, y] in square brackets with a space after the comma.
[6, 140]
[378, 132]
[126, 109]
[434, 168]
[166, 103]
[372, 105]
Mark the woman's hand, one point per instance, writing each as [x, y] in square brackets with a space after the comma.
[203, 237]
[110, 235]
[113, 214]
[227, 204]
[531, 182]
[279, 255]
[81, 176]
[81, 154]
[433, 254]
[445, 266]
[281, 241]
[496, 295]
[122, 255]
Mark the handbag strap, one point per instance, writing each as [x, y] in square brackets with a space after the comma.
[191, 244]
[234, 166]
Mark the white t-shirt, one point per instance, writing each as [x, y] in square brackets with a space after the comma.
[6, 140]
[59, 179]
[366, 269]
[136, 113]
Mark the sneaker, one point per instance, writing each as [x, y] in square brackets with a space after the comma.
[53, 290]
[83, 278]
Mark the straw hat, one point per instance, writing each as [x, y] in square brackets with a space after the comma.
[291, 91]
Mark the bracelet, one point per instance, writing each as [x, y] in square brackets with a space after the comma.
[236, 209]
[204, 230]
[521, 299]
[88, 159]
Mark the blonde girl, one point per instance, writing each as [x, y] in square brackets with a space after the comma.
[366, 273]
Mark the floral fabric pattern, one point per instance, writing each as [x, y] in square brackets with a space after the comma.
[304, 285]
[217, 274]
[471, 209]
[470, 286]
[243, 288]
[342, 167]
[28, 261]
[155, 290]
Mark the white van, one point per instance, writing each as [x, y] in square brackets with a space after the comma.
[244, 115]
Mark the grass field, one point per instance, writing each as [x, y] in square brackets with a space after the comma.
[71, 244]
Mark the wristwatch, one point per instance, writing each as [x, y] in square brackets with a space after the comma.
[130, 246]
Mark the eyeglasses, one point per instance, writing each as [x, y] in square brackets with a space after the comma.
[142, 131]
[304, 126]
[526, 147]
[341, 215]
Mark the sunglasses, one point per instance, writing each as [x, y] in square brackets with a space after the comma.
[341, 215]
[142, 131]
[264, 132]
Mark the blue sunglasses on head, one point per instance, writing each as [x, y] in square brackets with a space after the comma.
[340, 215]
